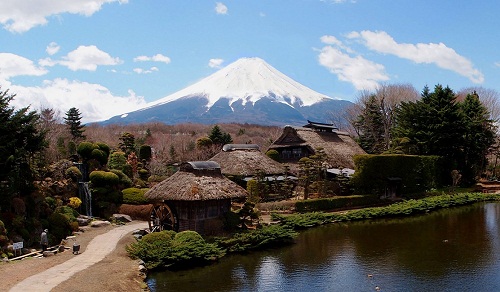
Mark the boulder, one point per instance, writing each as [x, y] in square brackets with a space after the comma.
[99, 223]
[121, 218]
[49, 253]
[83, 221]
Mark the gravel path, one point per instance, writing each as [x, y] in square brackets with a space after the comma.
[98, 249]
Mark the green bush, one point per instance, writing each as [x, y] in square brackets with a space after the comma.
[268, 236]
[326, 204]
[143, 174]
[100, 156]
[101, 178]
[59, 227]
[125, 181]
[117, 160]
[85, 149]
[104, 147]
[134, 196]
[417, 173]
[74, 173]
[167, 249]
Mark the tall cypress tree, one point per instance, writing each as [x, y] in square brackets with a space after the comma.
[73, 121]
[479, 136]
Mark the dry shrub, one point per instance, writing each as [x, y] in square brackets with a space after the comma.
[137, 212]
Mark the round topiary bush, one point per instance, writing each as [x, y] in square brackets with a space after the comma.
[125, 181]
[100, 156]
[73, 172]
[103, 178]
[84, 149]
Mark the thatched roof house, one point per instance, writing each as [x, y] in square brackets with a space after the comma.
[199, 195]
[246, 160]
[297, 142]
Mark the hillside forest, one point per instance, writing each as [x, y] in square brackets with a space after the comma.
[42, 151]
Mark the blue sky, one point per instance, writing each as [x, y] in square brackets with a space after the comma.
[108, 57]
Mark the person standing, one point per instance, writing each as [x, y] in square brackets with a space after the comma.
[44, 239]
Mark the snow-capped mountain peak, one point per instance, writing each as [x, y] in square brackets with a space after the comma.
[248, 80]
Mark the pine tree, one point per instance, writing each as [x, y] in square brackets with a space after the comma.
[479, 136]
[371, 127]
[73, 121]
[21, 142]
[219, 137]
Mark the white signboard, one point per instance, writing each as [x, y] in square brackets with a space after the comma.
[18, 245]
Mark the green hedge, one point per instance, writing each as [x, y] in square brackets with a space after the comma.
[326, 204]
[134, 196]
[417, 173]
[405, 208]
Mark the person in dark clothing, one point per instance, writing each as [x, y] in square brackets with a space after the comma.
[44, 240]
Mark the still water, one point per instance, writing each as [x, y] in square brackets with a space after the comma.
[448, 250]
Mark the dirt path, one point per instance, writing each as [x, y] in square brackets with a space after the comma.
[100, 247]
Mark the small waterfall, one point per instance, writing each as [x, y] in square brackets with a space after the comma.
[87, 198]
[83, 189]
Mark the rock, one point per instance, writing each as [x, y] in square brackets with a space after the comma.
[121, 218]
[140, 232]
[142, 269]
[49, 253]
[6, 259]
[61, 248]
[99, 223]
[83, 221]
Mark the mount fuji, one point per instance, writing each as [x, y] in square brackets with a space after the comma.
[246, 91]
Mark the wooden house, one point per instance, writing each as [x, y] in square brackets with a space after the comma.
[194, 198]
[297, 142]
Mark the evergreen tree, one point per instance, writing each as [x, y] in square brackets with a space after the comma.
[219, 137]
[21, 140]
[370, 126]
[479, 136]
[127, 143]
[73, 121]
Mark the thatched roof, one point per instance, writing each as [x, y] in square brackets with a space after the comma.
[196, 181]
[246, 160]
[338, 146]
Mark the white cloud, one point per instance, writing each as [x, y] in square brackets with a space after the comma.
[12, 65]
[52, 48]
[220, 8]
[215, 63]
[362, 73]
[330, 40]
[83, 58]
[497, 64]
[155, 58]
[95, 101]
[22, 15]
[148, 71]
[431, 53]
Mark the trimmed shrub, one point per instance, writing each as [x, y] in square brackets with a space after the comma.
[417, 173]
[74, 173]
[85, 149]
[125, 181]
[74, 202]
[104, 147]
[268, 236]
[100, 156]
[167, 249]
[134, 196]
[103, 178]
[326, 204]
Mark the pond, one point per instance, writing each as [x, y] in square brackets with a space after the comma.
[455, 249]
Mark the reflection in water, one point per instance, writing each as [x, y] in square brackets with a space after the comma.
[449, 250]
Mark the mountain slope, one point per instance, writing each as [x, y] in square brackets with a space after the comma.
[246, 91]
